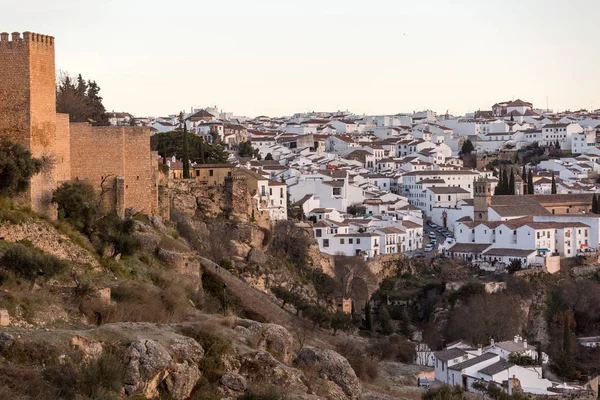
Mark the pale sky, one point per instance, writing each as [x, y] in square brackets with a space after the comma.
[278, 57]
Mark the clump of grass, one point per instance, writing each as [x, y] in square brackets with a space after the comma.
[215, 349]
[30, 263]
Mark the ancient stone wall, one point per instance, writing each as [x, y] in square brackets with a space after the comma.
[97, 154]
[139, 184]
[42, 116]
[63, 148]
[105, 153]
[14, 88]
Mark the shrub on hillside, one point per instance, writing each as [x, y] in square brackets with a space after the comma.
[30, 263]
[213, 364]
[141, 302]
[78, 203]
[119, 232]
[365, 368]
[445, 392]
[291, 240]
[16, 168]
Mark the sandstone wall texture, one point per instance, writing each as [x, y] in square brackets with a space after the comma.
[105, 153]
[63, 148]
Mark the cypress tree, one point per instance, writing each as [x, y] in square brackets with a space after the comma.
[368, 317]
[595, 204]
[524, 178]
[511, 182]
[499, 187]
[186, 150]
[405, 328]
[553, 191]
[530, 183]
[385, 321]
[505, 183]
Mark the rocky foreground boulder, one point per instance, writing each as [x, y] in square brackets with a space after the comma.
[150, 366]
[331, 366]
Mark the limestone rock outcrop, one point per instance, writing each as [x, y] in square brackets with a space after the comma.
[332, 366]
[150, 366]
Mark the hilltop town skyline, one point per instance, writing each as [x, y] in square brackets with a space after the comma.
[275, 59]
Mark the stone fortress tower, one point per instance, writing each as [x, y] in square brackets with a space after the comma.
[482, 198]
[28, 105]
[119, 158]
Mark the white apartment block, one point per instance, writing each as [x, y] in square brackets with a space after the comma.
[415, 183]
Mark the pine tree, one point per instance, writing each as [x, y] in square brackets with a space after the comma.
[186, 150]
[368, 316]
[511, 182]
[530, 189]
[553, 191]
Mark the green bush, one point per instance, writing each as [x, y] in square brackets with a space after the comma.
[96, 379]
[119, 232]
[16, 168]
[30, 263]
[365, 368]
[78, 203]
[215, 348]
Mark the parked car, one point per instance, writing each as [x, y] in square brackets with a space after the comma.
[431, 235]
[430, 224]
[423, 382]
[419, 255]
[429, 248]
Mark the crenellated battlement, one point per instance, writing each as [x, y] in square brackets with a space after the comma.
[17, 38]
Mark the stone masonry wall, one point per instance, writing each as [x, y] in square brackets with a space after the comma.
[63, 148]
[14, 89]
[42, 116]
[138, 173]
[97, 153]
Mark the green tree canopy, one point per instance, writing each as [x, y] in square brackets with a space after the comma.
[80, 99]
[245, 149]
[78, 203]
[16, 168]
[467, 147]
[171, 143]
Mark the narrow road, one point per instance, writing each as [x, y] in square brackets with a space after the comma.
[262, 304]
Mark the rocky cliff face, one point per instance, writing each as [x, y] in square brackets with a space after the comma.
[201, 202]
